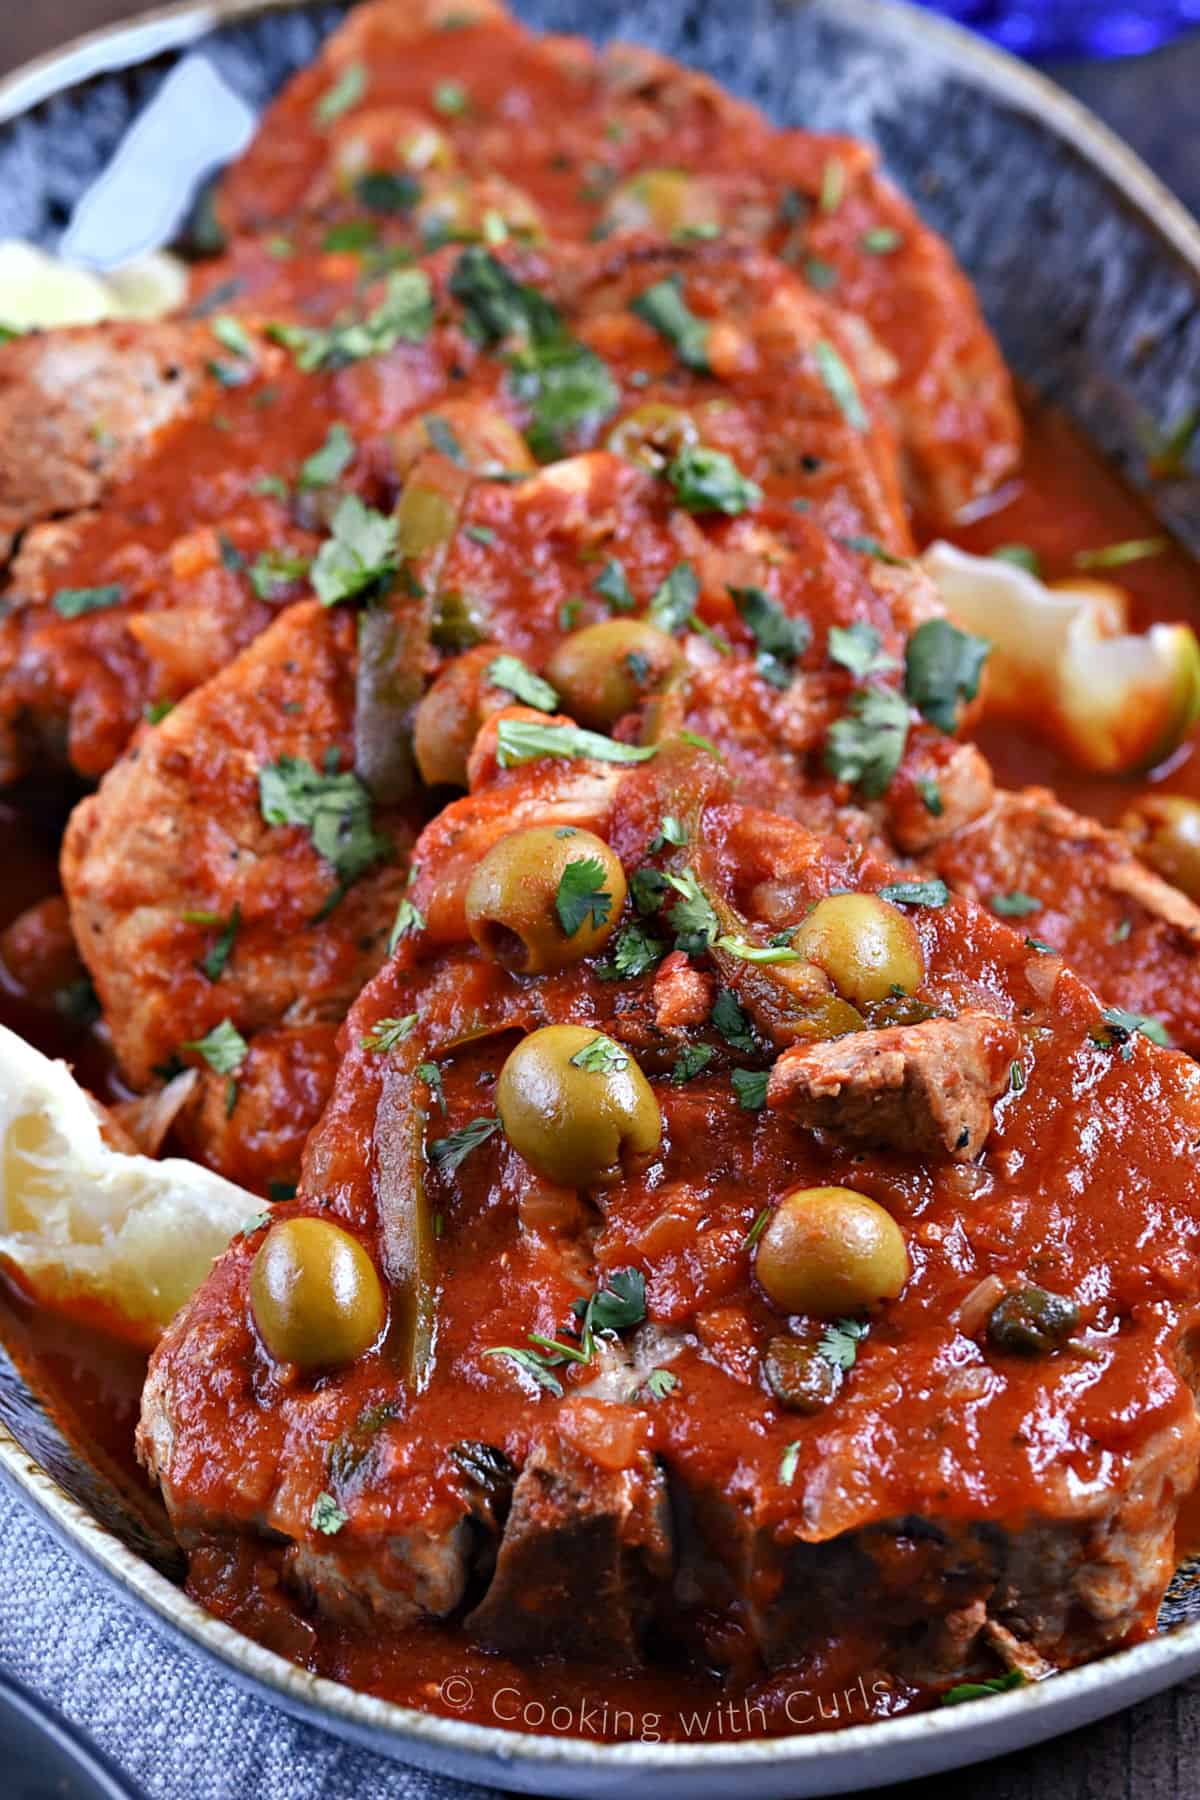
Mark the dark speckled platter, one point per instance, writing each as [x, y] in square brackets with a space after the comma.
[1090, 275]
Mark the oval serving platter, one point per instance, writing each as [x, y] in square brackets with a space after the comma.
[1090, 274]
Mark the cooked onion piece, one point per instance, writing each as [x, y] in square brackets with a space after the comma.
[89, 1227]
[1062, 660]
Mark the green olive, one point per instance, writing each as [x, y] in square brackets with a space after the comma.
[653, 435]
[603, 671]
[829, 1251]
[534, 908]
[575, 1104]
[315, 1294]
[449, 714]
[866, 946]
[1165, 832]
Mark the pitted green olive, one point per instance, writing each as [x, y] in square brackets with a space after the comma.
[1165, 831]
[866, 946]
[575, 1105]
[315, 1294]
[545, 897]
[653, 435]
[603, 671]
[830, 1251]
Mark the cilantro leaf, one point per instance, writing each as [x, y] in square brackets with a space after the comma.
[323, 467]
[327, 1516]
[496, 305]
[871, 546]
[840, 385]
[1115, 556]
[692, 918]
[618, 1303]
[750, 1086]
[408, 918]
[223, 1048]
[674, 601]
[839, 1342]
[733, 1023]
[787, 1464]
[942, 667]
[635, 953]
[521, 741]
[273, 571]
[232, 334]
[212, 963]
[762, 954]
[1014, 905]
[534, 1363]
[611, 584]
[709, 481]
[781, 639]
[648, 888]
[582, 895]
[670, 831]
[566, 386]
[865, 746]
[1123, 1025]
[450, 98]
[431, 1075]
[382, 191]
[335, 810]
[664, 308]
[600, 1056]
[405, 314]
[346, 92]
[979, 1690]
[359, 554]
[388, 1033]
[916, 893]
[660, 1383]
[857, 648]
[449, 1152]
[511, 673]
[1022, 556]
[72, 603]
[690, 1061]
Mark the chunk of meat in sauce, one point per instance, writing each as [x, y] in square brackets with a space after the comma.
[927, 1088]
[942, 1473]
[190, 908]
[675, 151]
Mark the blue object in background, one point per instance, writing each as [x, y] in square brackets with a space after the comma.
[1075, 27]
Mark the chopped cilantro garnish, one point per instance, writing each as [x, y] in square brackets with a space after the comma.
[346, 92]
[325, 465]
[72, 603]
[691, 1059]
[840, 385]
[839, 1342]
[647, 889]
[732, 1022]
[760, 954]
[942, 666]
[833, 185]
[781, 639]
[707, 480]
[865, 746]
[664, 308]
[1122, 1026]
[635, 953]
[916, 893]
[388, 1033]
[820, 274]
[335, 810]
[273, 571]
[408, 918]
[1014, 905]
[692, 918]
[223, 1048]
[660, 1383]
[496, 305]
[979, 1690]
[212, 963]
[1022, 556]
[449, 1152]
[670, 831]
[582, 896]
[881, 240]
[232, 334]
[871, 546]
[382, 192]
[156, 711]
[511, 673]
[450, 98]
[522, 740]
[674, 601]
[600, 1056]
[787, 1464]
[431, 1075]
[327, 1516]
[566, 387]
[278, 1191]
[617, 1304]
[480, 534]
[857, 648]
[534, 1362]
[750, 1086]
[612, 585]
[1016, 1078]
[931, 797]
[404, 314]
[359, 555]
[1115, 556]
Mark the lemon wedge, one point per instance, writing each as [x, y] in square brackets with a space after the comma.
[37, 291]
[1063, 661]
[90, 1228]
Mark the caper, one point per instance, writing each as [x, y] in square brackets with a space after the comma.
[316, 1297]
[1031, 1321]
[1165, 831]
[830, 1251]
[653, 435]
[545, 897]
[603, 671]
[866, 946]
[576, 1106]
[801, 1379]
